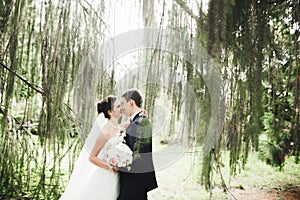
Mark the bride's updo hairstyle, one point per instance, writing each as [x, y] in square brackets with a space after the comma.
[106, 105]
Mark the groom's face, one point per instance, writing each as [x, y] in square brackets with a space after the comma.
[126, 108]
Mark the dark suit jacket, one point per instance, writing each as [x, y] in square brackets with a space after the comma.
[141, 177]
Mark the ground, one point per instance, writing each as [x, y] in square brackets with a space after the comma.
[257, 181]
[283, 193]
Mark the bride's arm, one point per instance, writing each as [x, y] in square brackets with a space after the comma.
[101, 139]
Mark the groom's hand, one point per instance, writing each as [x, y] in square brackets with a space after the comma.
[144, 113]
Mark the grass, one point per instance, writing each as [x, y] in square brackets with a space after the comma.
[181, 180]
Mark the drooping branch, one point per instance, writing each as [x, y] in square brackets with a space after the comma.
[189, 11]
[34, 87]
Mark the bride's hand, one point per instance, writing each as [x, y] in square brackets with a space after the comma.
[115, 169]
[144, 113]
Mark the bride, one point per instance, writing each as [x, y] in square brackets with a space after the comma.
[92, 178]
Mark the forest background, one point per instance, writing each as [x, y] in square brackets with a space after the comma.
[53, 71]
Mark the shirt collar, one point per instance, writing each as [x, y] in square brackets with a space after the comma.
[134, 115]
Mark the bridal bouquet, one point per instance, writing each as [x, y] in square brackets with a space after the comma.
[118, 154]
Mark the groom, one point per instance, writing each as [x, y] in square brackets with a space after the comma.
[136, 182]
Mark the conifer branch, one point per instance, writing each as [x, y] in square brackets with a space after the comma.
[34, 87]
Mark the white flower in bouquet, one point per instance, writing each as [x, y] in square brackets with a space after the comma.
[118, 154]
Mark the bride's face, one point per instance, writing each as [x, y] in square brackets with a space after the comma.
[117, 109]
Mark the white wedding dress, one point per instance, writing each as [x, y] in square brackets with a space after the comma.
[88, 181]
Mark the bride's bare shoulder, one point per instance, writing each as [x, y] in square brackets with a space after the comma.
[106, 131]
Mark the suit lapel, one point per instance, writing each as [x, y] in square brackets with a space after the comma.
[132, 131]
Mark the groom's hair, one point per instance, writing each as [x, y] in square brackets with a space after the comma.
[135, 95]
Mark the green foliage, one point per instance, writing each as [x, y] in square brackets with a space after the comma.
[277, 143]
[253, 41]
[206, 171]
[42, 52]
